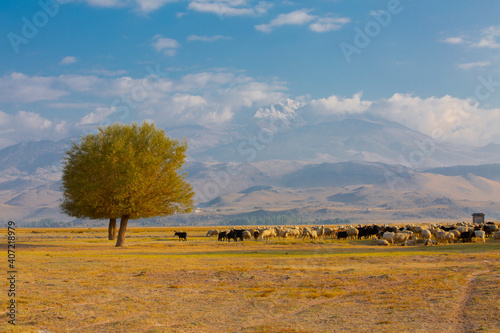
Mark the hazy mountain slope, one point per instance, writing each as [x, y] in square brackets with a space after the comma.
[27, 157]
[370, 139]
[342, 174]
[490, 171]
[348, 162]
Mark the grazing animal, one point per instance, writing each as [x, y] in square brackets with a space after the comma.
[247, 234]
[412, 242]
[311, 234]
[213, 232]
[456, 233]
[466, 236]
[265, 234]
[222, 236]
[342, 234]
[352, 233]
[479, 234]
[235, 234]
[401, 237]
[426, 234]
[382, 242]
[496, 236]
[489, 229]
[441, 235]
[430, 242]
[181, 235]
[389, 236]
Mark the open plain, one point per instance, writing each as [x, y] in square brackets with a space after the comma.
[75, 280]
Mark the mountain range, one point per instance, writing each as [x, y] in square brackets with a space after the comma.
[358, 166]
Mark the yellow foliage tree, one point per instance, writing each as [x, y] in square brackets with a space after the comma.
[126, 172]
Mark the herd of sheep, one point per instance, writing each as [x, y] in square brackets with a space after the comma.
[384, 235]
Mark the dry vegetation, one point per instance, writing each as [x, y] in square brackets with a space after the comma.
[77, 281]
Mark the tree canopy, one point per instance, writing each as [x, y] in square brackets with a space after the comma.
[128, 172]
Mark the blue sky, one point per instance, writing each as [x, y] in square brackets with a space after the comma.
[72, 65]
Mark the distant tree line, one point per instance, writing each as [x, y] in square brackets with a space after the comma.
[336, 220]
[278, 219]
[49, 223]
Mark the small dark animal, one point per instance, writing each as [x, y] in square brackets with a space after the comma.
[222, 235]
[181, 235]
[466, 236]
[235, 234]
[489, 229]
[342, 234]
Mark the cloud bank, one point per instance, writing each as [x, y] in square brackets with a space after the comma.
[215, 97]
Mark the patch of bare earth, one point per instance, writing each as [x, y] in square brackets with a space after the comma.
[158, 284]
[478, 308]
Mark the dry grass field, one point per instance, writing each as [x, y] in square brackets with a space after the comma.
[74, 280]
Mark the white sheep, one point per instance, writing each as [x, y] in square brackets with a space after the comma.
[265, 234]
[400, 237]
[456, 233]
[479, 234]
[389, 236]
[246, 235]
[412, 242]
[449, 237]
[294, 232]
[352, 232]
[382, 242]
[327, 232]
[311, 234]
[496, 236]
[426, 234]
[430, 242]
[440, 235]
[213, 232]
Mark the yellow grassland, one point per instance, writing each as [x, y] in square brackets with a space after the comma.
[75, 280]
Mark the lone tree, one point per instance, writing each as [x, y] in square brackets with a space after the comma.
[126, 172]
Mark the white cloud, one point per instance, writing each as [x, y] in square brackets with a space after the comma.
[167, 46]
[67, 60]
[25, 126]
[454, 40]
[301, 17]
[471, 65]
[216, 97]
[77, 83]
[335, 105]
[106, 72]
[444, 118]
[490, 38]
[18, 87]
[141, 6]
[96, 116]
[449, 118]
[215, 38]
[298, 17]
[325, 24]
[210, 97]
[229, 7]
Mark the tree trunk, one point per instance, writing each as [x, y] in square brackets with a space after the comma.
[112, 229]
[120, 242]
